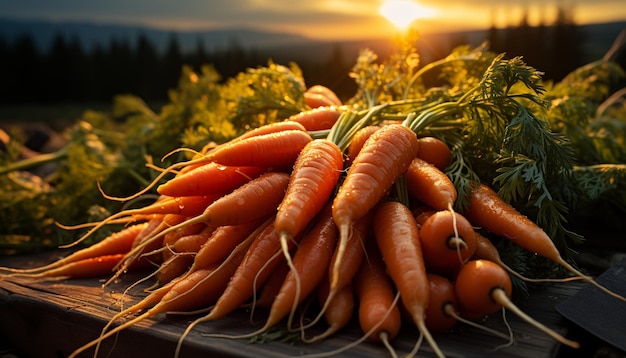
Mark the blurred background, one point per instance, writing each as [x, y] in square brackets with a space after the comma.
[58, 58]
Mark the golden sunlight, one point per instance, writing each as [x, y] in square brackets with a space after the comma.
[402, 13]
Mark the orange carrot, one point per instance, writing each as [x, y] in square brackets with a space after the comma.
[317, 119]
[209, 178]
[222, 241]
[379, 317]
[198, 289]
[435, 151]
[482, 286]
[268, 150]
[486, 209]
[174, 266]
[430, 185]
[83, 268]
[251, 202]
[339, 311]
[357, 142]
[443, 304]
[193, 243]
[185, 206]
[448, 241]
[308, 269]
[257, 266]
[311, 184]
[384, 157]
[318, 95]
[116, 243]
[397, 238]
[271, 287]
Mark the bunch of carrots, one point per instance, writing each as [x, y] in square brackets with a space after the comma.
[362, 222]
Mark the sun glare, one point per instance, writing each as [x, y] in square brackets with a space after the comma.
[402, 13]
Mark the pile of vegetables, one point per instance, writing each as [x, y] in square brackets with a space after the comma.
[400, 204]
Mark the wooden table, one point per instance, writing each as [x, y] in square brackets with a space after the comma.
[52, 318]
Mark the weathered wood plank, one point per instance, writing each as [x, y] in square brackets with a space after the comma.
[52, 318]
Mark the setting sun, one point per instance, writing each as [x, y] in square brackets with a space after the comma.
[402, 13]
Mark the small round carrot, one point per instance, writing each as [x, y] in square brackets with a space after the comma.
[430, 185]
[312, 181]
[435, 151]
[397, 237]
[482, 286]
[116, 243]
[209, 178]
[442, 300]
[385, 156]
[448, 241]
[486, 209]
[319, 118]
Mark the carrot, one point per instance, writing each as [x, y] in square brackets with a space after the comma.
[253, 201]
[482, 286]
[271, 288]
[307, 271]
[311, 184]
[486, 209]
[430, 185]
[384, 157]
[448, 241]
[326, 93]
[339, 312]
[435, 151]
[318, 118]
[84, 268]
[118, 242]
[186, 206]
[357, 141]
[275, 127]
[443, 303]
[398, 240]
[222, 241]
[193, 243]
[348, 267]
[379, 317]
[170, 239]
[174, 266]
[195, 290]
[268, 150]
[256, 267]
[209, 178]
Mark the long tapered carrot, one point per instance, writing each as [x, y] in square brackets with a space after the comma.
[379, 317]
[118, 242]
[209, 178]
[253, 201]
[269, 150]
[85, 268]
[317, 119]
[385, 156]
[338, 313]
[397, 237]
[488, 210]
[196, 290]
[186, 206]
[312, 181]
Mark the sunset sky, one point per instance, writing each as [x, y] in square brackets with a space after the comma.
[320, 19]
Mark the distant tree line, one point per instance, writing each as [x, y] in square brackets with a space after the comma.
[69, 73]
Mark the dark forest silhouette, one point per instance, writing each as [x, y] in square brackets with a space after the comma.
[68, 73]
